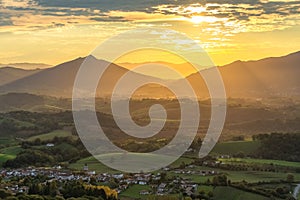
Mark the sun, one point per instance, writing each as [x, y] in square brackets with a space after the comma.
[197, 19]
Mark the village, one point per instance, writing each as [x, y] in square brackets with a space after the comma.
[158, 182]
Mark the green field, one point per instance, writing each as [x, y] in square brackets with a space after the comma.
[51, 135]
[261, 161]
[93, 164]
[229, 193]
[6, 141]
[205, 188]
[251, 176]
[181, 160]
[9, 153]
[134, 191]
[237, 176]
[230, 148]
[97, 166]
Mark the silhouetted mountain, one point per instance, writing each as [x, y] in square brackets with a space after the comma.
[59, 80]
[255, 79]
[9, 74]
[277, 76]
[28, 66]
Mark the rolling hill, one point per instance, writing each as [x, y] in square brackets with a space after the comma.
[27, 66]
[270, 77]
[58, 81]
[9, 74]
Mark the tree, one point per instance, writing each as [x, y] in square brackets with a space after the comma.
[290, 178]
[4, 194]
[220, 180]
[210, 194]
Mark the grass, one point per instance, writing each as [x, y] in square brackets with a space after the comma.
[229, 193]
[237, 176]
[9, 153]
[5, 141]
[181, 160]
[261, 161]
[205, 188]
[253, 176]
[51, 135]
[14, 150]
[5, 157]
[93, 164]
[97, 166]
[230, 148]
[134, 191]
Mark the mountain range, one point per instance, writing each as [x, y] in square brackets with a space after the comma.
[269, 77]
[11, 74]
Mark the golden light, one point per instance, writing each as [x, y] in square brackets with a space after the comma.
[192, 9]
[199, 19]
[196, 19]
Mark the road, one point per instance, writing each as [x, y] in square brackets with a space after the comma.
[296, 191]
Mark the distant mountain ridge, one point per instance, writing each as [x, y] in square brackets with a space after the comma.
[59, 80]
[274, 76]
[252, 79]
[26, 66]
[9, 74]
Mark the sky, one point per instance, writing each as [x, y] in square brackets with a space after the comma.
[55, 31]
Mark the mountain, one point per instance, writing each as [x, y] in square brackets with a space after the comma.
[276, 76]
[19, 101]
[27, 66]
[9, 74]
[34, 103]
[59, 80]
[270, 77]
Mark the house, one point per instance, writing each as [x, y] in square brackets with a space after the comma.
[118, 176]
[85, 167]
[144, 192]
[142, 183]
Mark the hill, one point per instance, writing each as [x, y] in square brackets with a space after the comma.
[30, 102]
[59, 80]
[27, 66]
[270, 77]
[9, 74]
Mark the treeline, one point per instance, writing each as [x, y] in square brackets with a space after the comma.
[55, 190]
[279, 146]
[70, 189]
[25, 124]
[66, 149]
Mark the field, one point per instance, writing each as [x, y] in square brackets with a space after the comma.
[205, 188]
[118, 159]
[6, 141]
[237, 176]
[51, 135]
[93, 164]
[229, 193]
[9, 153]
[134, 191]
[261, 161]
[230, 148]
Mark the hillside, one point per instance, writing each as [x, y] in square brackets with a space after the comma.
[270, 77]
[9, 74]
[27, 66]
[59, 80]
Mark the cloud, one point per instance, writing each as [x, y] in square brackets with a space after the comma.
[214, 20]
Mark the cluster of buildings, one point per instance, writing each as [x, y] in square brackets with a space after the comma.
[157, 184]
